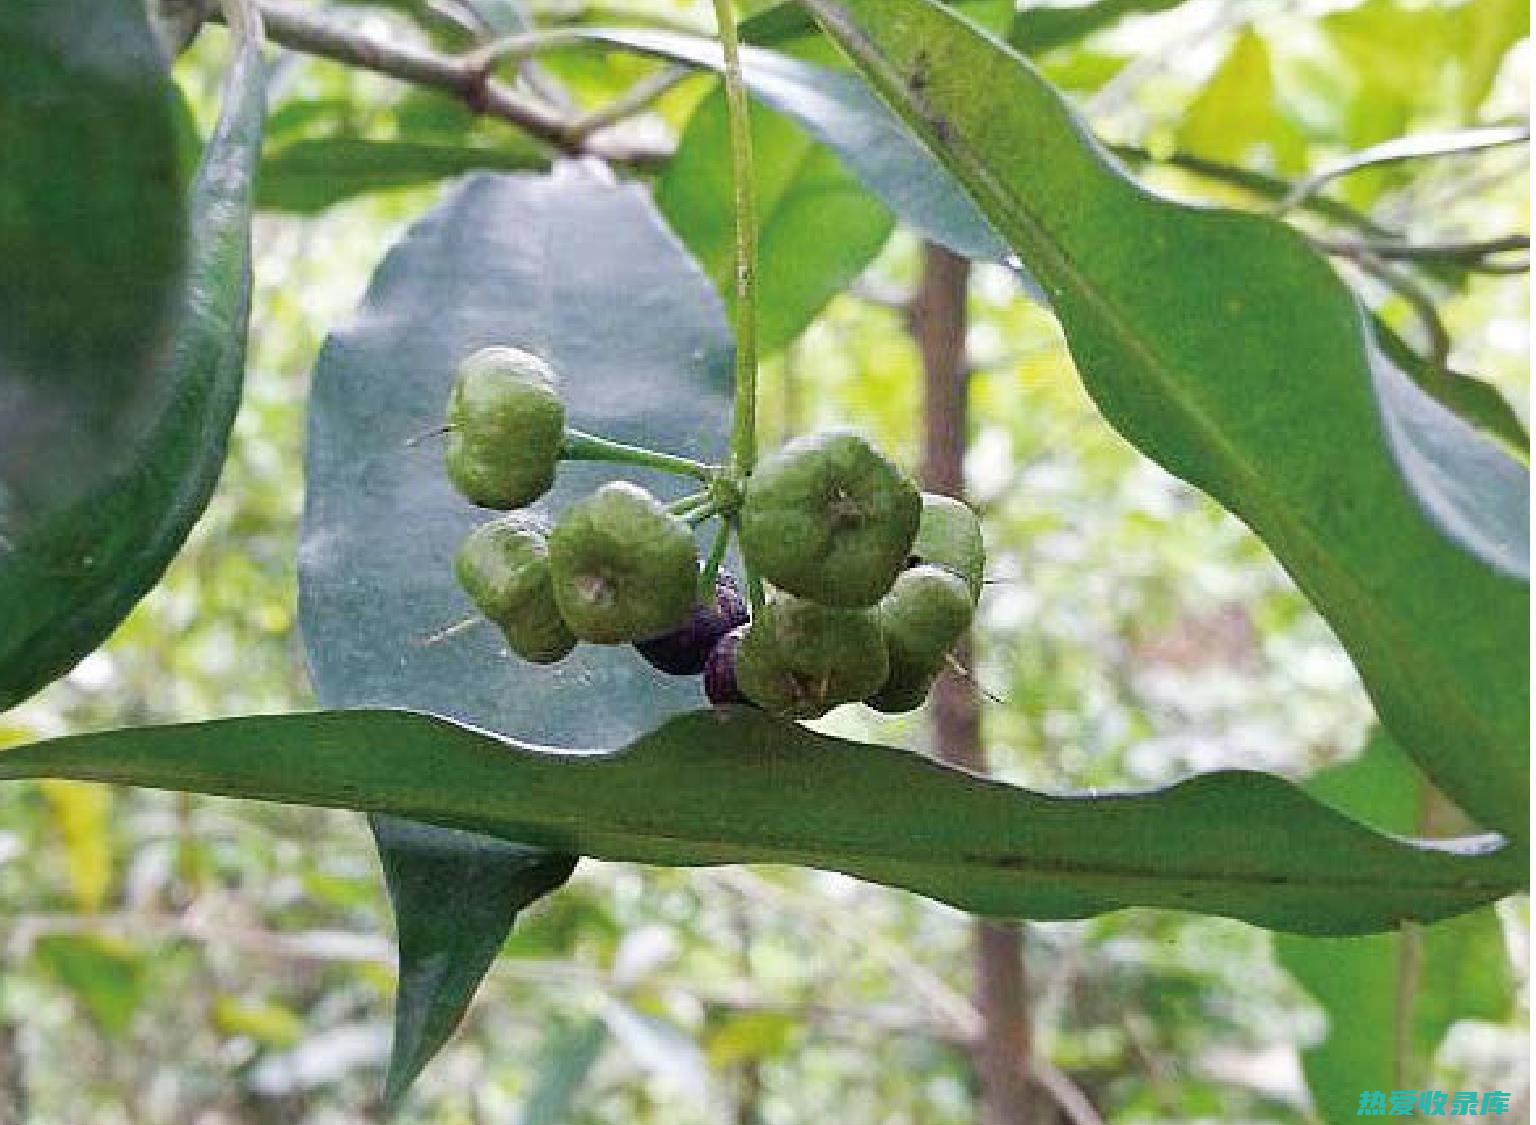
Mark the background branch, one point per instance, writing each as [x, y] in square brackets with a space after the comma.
[1415, 147]
[461, 77]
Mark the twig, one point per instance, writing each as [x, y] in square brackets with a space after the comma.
[1406, 148]
[638, 98]
[1471, 254]
[245, 20]
[1067, 1094]
[465, 78]
[1438, 337]
[960, 669]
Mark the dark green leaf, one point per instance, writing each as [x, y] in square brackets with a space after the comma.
[1230, 353]
[92, 218]
[67, 579]
[838, 110]
[308, 176]
[817, 227]
[536, 263]
[736, 786]
[1460, 969]
[456, 895]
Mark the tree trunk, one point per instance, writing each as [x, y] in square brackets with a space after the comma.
[938, 322]
[13, 1094]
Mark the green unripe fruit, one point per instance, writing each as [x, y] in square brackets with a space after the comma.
[624, 568]
[949, 535]
[799, 659]
[925, 613]
[504, 568]
[829, 518]
[506, 425]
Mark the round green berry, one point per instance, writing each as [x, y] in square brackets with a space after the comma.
[799, 659]
[506, 425]
[949, 535]
[624, 568]
[926, 612]
[504, 568]
[830, 518]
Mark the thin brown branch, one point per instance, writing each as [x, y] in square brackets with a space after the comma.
[1438, 337]
[466, 78]
[1416, 147]
[637, 99]
[1473, 254]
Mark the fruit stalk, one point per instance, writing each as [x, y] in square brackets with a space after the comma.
[744, 432]
[580, 446]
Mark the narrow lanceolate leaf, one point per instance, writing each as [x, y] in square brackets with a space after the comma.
[456, 895]
[1230, 353]
[818, 228]
[534, 263]
[736, 786]
[69, 574]
[1390, 999]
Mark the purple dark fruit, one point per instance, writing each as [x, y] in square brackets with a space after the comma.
[685, 650]
[720, 669]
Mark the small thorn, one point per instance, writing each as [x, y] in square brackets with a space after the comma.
[961, 670]
[450, 631]
[436, 431]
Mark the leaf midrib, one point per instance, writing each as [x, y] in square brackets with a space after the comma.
[955, 148]
[640, 837]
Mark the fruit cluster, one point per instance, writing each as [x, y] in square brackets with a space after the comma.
[858, 584]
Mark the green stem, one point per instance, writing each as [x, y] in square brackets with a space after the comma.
[757, 598]
[744, 434]
[709, 510]
[688, 504]
[581, 446]
[716, 558]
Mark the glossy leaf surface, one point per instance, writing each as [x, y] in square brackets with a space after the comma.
[735, 786]
[68, 578]
[92, 218]
[1229, 352]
